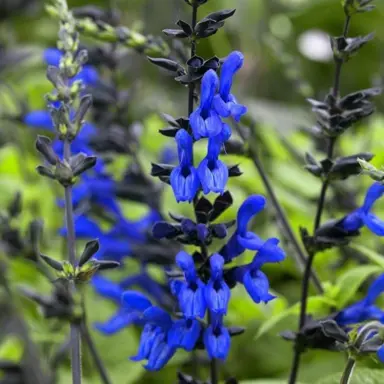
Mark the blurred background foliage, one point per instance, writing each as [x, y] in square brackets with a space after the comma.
[287, 59]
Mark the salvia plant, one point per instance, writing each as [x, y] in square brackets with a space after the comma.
[177, 271]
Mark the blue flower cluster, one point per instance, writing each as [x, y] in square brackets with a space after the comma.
[216, 102]
[203, 288]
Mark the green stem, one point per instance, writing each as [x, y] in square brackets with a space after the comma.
[348, 371]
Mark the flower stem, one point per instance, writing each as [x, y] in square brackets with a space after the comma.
[193, 53]
[317, 222]
[75, 330]
[95, 355]
[348, 371]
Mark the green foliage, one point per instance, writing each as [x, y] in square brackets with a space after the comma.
[11, 349]
[360, 376]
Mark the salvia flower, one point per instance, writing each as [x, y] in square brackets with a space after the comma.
[363, 216]
[217, 292]
[225, 104]
[217, 339]
[364, 309]
[184, 179]
[213, 173]
[189, 292]
[255, 281]
[205, 121]
[243, 239]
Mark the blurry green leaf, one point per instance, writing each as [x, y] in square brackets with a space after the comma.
[360, 376]
[10, 161]
[12, 349]
[369, 254]
[315, 305]
[350, 282]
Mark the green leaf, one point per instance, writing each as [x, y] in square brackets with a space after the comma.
[267, 381]
[370, 254]
[12, 349]
[350, 282]
[360, 376]
[315, 305]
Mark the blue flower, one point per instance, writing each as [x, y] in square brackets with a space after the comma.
[85, 228]
[184, 334]
[255, 281]
[154, 346]
[217, 292]
[217, 339]
[380, 353]
[184, 178]
[225, 103]
[362, 216]
[213, 173]
[243, 239]
[364, 309]
[123, 317]
[190, 293]
[204, 121]
[39, 119]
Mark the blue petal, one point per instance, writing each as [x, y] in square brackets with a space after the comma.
[374, 224]
[216, 262]
[85, 228]
[380, 353]
[39, 119]
[147, 340]
[232, 64]
[232, 249]
[52, 56]
[221, 107]
[352, 314]
[157, 316]
[374, 192]
[185, 262]
[250, 207]
[160, 353]
[270, 252]
[184, 147]
[88, 75]
[375, 289]
[213, 125]
[107, 288]
[209, 84]
[213, 176]
[257, 285]
[176, 286]
[353, 222]
[184, 334]
[135, 301]
[197, 123]
[116, 323]
[184, 187]
[217, 295]
[192, 301]
[250, 241]
[217, 346]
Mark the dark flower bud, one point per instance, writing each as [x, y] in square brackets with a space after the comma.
[234, 171]
[43, 145]
[176, 33]
[81, 163]
[219, 231]
[44, 171]
[90, 249]
[162, 229]
[185, 27]
[169, 65]
[221, 204]
[57, 265]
